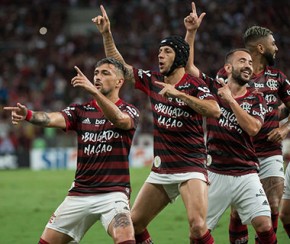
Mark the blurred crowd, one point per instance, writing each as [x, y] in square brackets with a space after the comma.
[38, 53]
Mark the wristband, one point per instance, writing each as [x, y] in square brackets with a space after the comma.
[28, 115]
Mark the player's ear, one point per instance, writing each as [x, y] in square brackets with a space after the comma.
[228, 68]
[260, 48]
[120, 82]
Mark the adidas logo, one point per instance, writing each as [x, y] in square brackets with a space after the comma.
[86, 121]
[265, 203]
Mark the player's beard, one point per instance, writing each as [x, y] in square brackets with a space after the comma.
[238, 77]
[270, 58]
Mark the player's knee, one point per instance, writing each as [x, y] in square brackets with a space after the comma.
[274, 203]
[262, 224]
[197, 226]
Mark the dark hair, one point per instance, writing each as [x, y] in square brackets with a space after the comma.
[118, 65]
[254, 33]
[231, 52]
[181, 49]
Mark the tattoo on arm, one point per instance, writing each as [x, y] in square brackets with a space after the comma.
[198, 108]
[122, 220]
[130, 76]
[40, 118]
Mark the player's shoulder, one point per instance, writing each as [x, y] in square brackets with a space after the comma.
[273, 71]
[123, 104]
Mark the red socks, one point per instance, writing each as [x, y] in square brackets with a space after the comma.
[267, 237]
[205, 239]
[41, 241]
[275, 218]
[143, 238]
[238, 232]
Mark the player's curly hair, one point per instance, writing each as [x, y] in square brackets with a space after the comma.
[254, 33]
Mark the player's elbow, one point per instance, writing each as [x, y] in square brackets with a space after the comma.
[215, 111]
[123, 123]
[254, 130]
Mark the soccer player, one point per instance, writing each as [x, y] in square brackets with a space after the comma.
[234, 169]
[105, 127]
[178, 102]
[285, 203]
[275, 87]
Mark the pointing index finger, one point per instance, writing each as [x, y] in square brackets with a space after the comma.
[104, 13]
[80, 73]
[159, 83]
[221, 81]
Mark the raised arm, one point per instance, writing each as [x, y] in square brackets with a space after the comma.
[192, 23]
[20, 113]
[102, 22]
[120, 119]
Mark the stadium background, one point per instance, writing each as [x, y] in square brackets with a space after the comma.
[41, 41]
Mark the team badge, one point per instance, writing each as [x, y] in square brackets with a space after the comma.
[157, 161]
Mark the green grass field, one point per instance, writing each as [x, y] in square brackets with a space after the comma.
[28, 198]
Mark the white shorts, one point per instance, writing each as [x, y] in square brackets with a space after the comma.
[76, 214]
[171, 182]
[286, 194]
[245, 193]
[271, 166]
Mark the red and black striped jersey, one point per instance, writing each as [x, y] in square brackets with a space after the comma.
[275, 87]
[178, 133]
[103, 150]
[230, 147]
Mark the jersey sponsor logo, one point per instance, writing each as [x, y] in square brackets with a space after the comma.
[184, 86]
[268, 72]
[261, 193]
[86, 121]
[88, 107]
[259, 85]
[100, 122]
